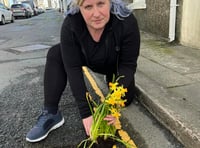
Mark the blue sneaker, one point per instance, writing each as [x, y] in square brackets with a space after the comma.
[45, 124]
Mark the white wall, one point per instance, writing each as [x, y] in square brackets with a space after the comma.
[190, 25]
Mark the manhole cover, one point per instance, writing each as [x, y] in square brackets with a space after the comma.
[31, 48]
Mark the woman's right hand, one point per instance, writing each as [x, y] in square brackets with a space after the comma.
[87, 123]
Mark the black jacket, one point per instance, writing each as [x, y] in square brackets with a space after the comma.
[79, 49]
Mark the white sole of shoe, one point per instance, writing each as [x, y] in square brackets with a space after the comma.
[53, 128]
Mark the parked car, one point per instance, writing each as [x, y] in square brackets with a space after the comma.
[41, 10]
[5, 14]
[22, 10]
[32, 4]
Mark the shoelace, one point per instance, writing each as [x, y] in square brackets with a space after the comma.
[42, 118]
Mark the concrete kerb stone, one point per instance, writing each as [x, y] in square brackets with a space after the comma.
[170, 120]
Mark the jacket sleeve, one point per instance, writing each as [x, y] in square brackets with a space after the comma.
[72, 60]
[129, 52]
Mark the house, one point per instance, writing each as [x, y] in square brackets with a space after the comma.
[7, 3]
[175, 20]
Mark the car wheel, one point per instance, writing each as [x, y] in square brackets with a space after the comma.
[13, 19]
[3, 20]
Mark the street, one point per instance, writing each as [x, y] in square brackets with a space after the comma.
[21, 91]
[22, 84]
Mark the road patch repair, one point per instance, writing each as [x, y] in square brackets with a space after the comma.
[1, 41]
[31, 48]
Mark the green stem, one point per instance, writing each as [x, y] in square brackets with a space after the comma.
[99, 115]
[85, 142]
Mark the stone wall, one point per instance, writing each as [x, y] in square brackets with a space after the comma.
[155, 18]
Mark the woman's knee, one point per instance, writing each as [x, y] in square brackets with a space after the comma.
[54, 53]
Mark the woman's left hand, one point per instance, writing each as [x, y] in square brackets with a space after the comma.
[110, 119]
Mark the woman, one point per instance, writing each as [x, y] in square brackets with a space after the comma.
[100, 34]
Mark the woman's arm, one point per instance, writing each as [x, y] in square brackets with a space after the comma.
[129, 52]
[72, 60]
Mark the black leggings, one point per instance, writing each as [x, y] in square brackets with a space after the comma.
[55, 79]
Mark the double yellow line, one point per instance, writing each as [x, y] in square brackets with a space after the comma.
[93, 83]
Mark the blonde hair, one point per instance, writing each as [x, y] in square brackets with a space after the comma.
[79, 2]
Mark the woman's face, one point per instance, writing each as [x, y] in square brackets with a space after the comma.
[96, 13]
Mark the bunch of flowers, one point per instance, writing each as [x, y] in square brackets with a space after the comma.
[111, 105]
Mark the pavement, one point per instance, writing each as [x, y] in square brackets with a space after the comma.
[168, 82]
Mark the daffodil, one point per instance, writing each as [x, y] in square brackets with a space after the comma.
[114, 112]
[113, 86]
[117, 95]
[111, 101]
[122, 90]
[112, 105]
[121, 103]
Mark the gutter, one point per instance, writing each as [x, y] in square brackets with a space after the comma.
[172, 20]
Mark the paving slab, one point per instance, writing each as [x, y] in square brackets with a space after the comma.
[190, 95]
[175, 57]
[194, 76]
[162, 75]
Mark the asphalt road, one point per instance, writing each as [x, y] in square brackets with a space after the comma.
[21, 84]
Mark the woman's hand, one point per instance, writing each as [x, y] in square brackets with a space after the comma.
[110, 119]
[87, 123]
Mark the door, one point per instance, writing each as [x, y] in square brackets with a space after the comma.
[6, 12]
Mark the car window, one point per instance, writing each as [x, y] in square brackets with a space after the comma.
[16, 6]
[2, 6]
[27, 5]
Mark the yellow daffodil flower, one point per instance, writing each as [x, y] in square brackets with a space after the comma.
[112, 105]
[113, 86]
[111, 101]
